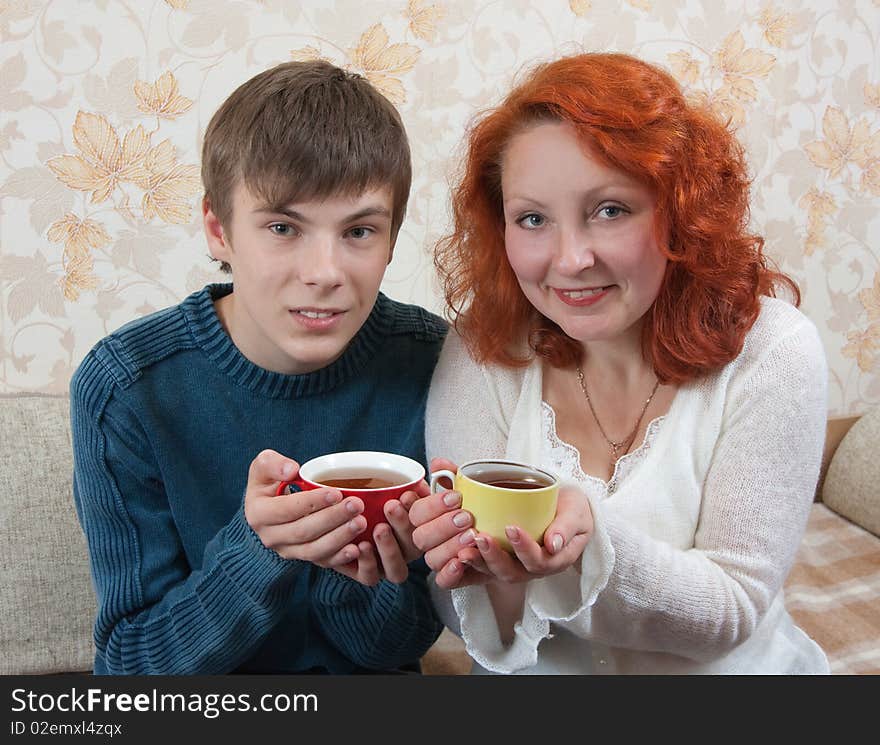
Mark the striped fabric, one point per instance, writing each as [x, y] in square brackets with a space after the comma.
[833, 591]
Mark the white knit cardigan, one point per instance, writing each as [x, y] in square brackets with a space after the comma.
[685, 569]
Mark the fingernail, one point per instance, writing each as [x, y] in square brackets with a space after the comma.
[357, 524]
[462, 520]
[466, 562]
[556, 543]
[452, 499]
[352, 507]
[482, 544]
[512, 534]
[467, 537]
[454, 566]
[350, 554]
[333, 497]
[396, 510]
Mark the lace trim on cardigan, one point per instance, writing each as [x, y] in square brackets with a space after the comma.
[565, 459]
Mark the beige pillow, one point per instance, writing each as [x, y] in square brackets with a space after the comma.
[852, 486]
[47, 604]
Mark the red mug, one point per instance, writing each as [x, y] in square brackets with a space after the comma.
[372, 476]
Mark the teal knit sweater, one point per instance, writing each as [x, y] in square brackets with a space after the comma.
[167, 416]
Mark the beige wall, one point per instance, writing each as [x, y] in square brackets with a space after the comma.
[104, 104]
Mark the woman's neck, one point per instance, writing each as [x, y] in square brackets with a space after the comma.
[621, 359]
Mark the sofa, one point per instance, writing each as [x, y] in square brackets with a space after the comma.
[47, 604]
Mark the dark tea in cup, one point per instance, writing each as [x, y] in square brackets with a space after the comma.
[361, 479]
[503, 479]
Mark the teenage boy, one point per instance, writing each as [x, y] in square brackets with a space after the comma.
[184, 422]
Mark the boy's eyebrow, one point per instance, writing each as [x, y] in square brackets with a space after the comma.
[368, 211]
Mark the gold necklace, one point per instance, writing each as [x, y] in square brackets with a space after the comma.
[627, 441]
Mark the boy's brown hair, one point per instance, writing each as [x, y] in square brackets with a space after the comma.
[301, 131]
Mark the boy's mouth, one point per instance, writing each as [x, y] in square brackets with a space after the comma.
[318, 312]
[317, 319]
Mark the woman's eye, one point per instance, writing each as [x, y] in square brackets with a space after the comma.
[532, 220]
[611, 211]
[281, 228]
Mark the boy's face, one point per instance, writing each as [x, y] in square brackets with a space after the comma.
[306, 275]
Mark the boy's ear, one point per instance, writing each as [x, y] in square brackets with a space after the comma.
[391, 248]
[218, 244]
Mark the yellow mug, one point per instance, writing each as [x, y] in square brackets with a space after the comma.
[499, 493]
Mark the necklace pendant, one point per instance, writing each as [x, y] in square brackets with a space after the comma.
[616, 447]
[612, 482]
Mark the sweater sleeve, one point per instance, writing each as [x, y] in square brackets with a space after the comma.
[467, 417]
[702, 601]
[378, 628]
[156, 614]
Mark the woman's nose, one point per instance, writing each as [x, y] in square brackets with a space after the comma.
[574, 252]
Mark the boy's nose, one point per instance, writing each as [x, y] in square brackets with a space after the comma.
[320, 265]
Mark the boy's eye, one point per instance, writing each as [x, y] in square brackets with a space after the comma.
[532, 220]
[360, 232]
[281, 228]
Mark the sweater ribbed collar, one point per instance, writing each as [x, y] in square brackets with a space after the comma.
[211, 337]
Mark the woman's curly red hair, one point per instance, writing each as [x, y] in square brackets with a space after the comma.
[634, 117]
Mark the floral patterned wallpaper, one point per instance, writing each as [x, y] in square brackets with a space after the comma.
[104, 103]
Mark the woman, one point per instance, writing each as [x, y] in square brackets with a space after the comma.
[617, 323]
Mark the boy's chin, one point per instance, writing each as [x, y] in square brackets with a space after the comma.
[312, 356]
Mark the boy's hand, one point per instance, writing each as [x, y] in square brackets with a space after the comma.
[394, 543]
[316, 526]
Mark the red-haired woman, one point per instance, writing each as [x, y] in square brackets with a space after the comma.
[617, 323]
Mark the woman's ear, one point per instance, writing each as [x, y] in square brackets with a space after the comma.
[218, 243]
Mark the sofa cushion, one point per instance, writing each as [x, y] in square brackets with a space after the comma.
[852, 484]
[833, 591]
[47, 604]
[447, 657]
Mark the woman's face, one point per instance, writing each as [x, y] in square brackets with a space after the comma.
[579, 235]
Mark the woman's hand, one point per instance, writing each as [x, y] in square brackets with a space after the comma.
[564, 542]
[461, 556]
[440, 524]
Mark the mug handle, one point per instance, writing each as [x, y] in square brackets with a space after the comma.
[295, 481]
[437, 475]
